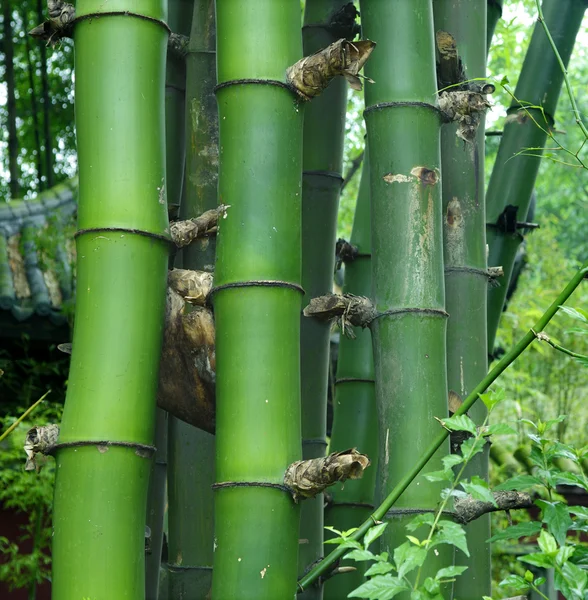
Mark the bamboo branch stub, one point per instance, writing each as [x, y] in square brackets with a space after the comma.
[178, 44]
[192, 286]
[59, 25]
[312, 74]
[468, 509]
[344, 252]
[185, 232]
[307, 478]
[39, 440]
[349, 310]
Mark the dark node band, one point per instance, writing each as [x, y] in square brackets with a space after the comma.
[518, 107]
[507, 221]
[402, 512]
[383, 105]
[354, 380]
[171, 86]
[258, 484]
[174, 567]
[320, 441]
[352, 504]
[480, 272]
[281, 84]
[142, 450]
[254, 283]
[148, 234]
[329, 174]
[394, 312]
[121, 13]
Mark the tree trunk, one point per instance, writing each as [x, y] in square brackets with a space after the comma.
[8, 47]
[46, 103]
[106, 437]
[34, 104]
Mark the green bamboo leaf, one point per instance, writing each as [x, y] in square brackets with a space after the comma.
[547, 542]
[408, 557]
[379, 568]
[478, 489]
[420, 520]
[515, 582]
[576, 578]
[380, 587]
[517, 531]
[449, 572]
[445, 475]
[558, 520]
[521, 482]
[451, 460]
[373, 534]
[360, 555]
[460, 423]
[539, 559]
[564, 554]
[432, 585]
[580, 511]
[492, 398]
[450, 533]
[576, 313]
[500, 429]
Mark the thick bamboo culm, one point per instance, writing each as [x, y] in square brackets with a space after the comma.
[324, 128]
[122, 253]
[403, 128]
[494, 12]
[466, 280]
[355, 421]
[191, 451]
[513, 177]
[257, 300]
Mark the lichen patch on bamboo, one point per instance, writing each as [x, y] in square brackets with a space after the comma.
[312, 74]
[398, 178]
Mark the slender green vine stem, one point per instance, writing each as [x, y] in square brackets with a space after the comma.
[563, 70]
[545, 338]
[325, 565]
[449, 495]
[24, 415]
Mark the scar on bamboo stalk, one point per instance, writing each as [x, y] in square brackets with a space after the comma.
[460, 100]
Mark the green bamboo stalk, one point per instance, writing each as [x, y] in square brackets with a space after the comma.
[513, 176]
[257, 324]
[179, 20]
[156, 499]
[122, 250]
[402, 485]
[191, 450]
[355, 421]
[322, 163]
[190, 517]
[466, 282]
[494, 11]
[403, 129]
